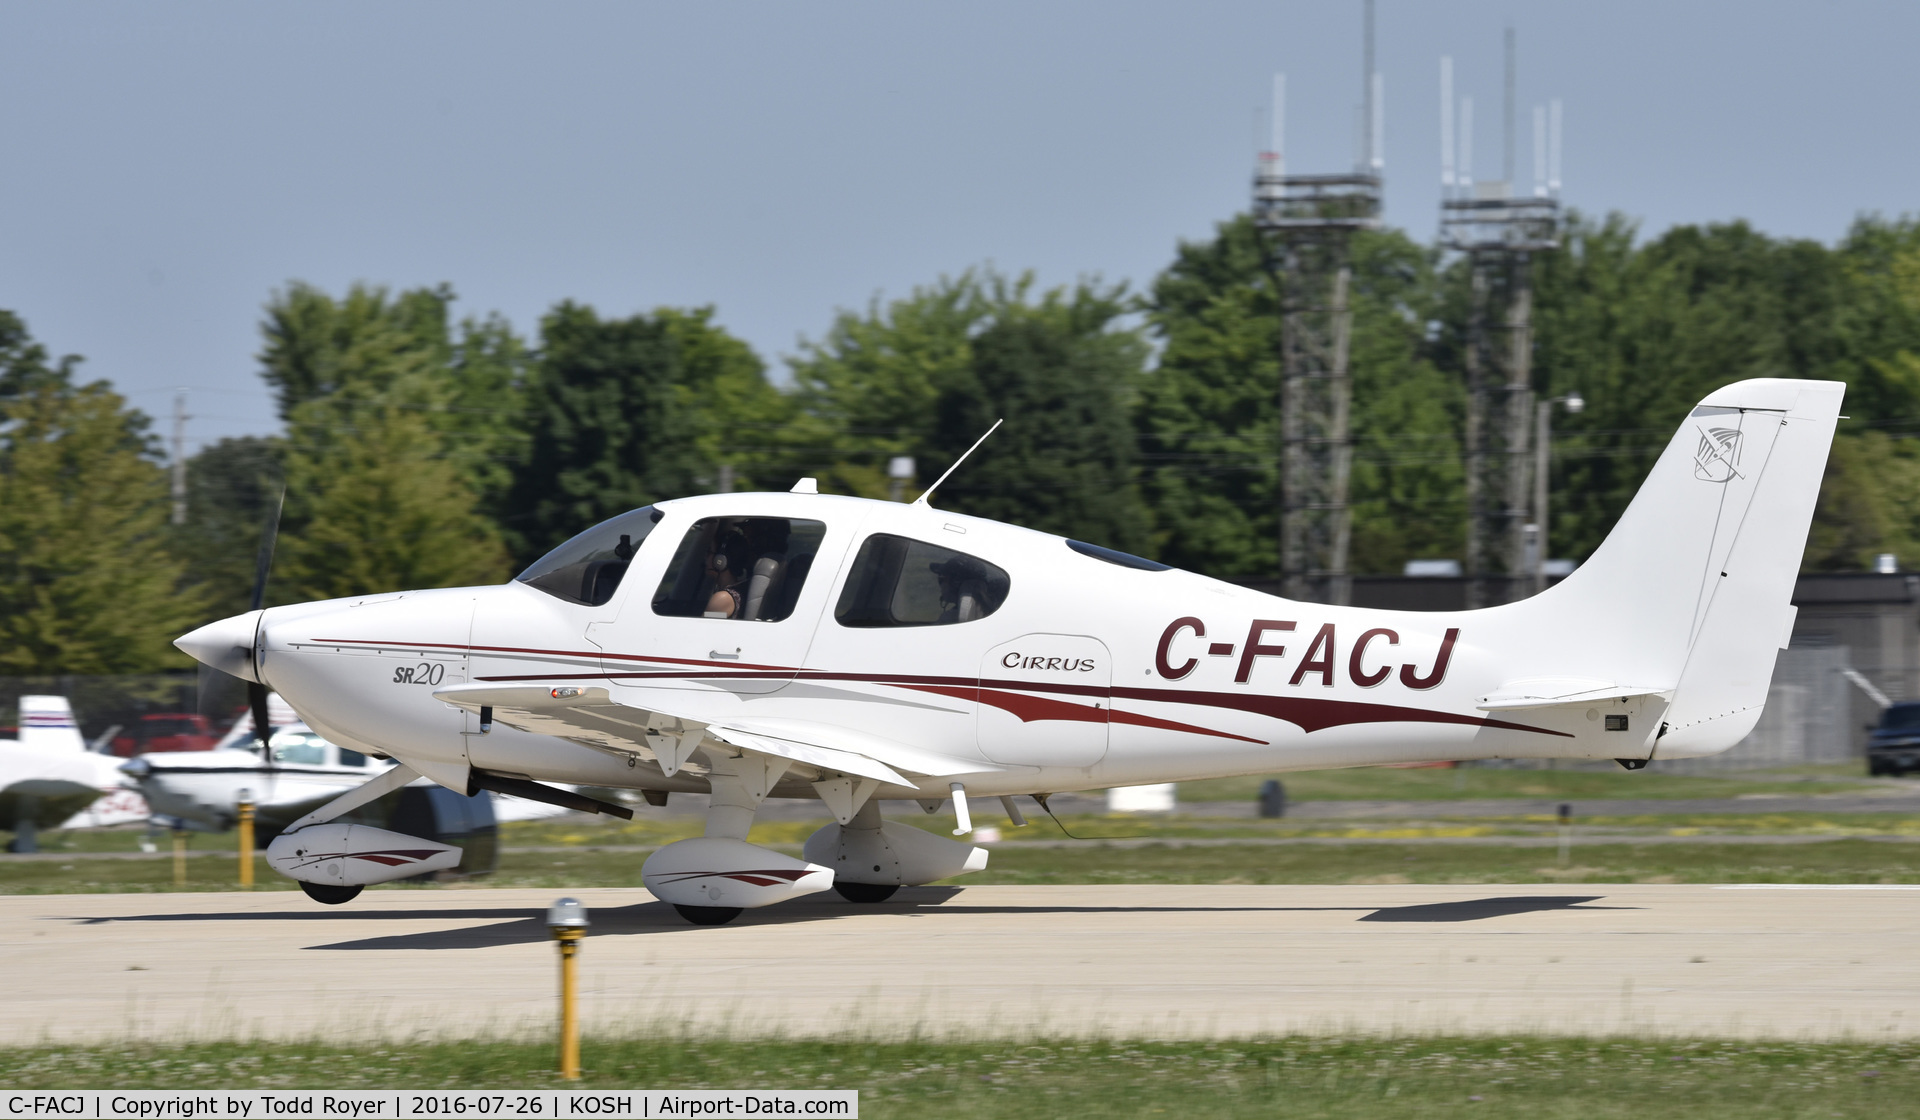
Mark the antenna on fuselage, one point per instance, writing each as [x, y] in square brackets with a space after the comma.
[928, 492]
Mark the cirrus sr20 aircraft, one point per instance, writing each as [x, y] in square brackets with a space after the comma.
[803, 645]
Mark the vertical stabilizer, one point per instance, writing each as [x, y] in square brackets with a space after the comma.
[1693, 589]
[46, 723]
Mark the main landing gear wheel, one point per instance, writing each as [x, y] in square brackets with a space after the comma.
[330, 896]
[865, 892]
[708, 915]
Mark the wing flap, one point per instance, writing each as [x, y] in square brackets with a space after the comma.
[591, 715]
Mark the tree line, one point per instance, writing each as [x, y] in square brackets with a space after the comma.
[423, 448]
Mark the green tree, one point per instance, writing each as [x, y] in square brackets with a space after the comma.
[471, 380]
[868, 388]
[400, 436]
[927, 374]
[376, 503]
[87, 583]
[1209, 414]
[1062, 375]
[232, 488]
[636, 410]
[1645, 331]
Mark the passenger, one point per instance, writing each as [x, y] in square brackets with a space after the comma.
[963, 590]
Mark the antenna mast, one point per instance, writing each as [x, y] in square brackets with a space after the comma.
[1306, 223]
[928, 492]
[1500, 231]
[179, 464]
[1506, 166]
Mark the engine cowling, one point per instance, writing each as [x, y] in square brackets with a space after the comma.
[893, 853]
[356, 855]
[714, 872]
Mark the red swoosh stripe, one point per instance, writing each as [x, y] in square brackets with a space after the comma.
[1310, 714]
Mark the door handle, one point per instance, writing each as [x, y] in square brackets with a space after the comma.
[714, 653]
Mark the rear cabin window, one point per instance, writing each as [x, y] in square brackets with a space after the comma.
[588, 568]
[898, 581]
[746, 568]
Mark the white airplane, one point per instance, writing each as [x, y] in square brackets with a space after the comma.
[202, 790]
[803, 645]
[48, 776]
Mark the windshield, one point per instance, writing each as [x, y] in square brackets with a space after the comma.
[302, 748]
[1900, 717]
[588, 568]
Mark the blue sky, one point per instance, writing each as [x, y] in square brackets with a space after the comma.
[165, 166]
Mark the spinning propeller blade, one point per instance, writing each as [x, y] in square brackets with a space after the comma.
[256, 691]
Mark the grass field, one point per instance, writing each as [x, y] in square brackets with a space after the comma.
[600, 851]
[1827, 861]
[1293, 1077]
[1386, 783]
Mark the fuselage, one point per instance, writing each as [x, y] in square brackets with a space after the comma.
[1042, 665]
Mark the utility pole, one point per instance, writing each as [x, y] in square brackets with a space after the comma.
[179, 464]
[1306, 223]
[1500, 232]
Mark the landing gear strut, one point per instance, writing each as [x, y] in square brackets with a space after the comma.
[329, 895]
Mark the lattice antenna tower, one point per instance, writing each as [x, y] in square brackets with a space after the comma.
[1500, 231]
[1306, 223]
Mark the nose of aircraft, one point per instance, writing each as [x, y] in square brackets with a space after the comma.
[226, 645]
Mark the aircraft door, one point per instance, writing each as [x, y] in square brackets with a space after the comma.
[1044, 700]
[735, 606]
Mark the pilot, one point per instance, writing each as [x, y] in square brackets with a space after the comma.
[726, 563]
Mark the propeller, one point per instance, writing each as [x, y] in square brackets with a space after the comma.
[256, 691]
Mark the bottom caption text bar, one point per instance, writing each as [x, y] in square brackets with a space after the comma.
[405, 1104]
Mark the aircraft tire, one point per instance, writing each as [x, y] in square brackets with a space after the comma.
[330, 896]
[708, 915]
[865, 892]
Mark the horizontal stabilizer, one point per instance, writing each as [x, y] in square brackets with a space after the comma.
[1521, 695]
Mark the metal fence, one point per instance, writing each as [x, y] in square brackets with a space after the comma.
[1809, 718]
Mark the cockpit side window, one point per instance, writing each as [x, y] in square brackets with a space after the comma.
[745, 568]
[588, 569]
[898, 581]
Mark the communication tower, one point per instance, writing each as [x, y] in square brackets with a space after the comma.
[1306, 223]
[1500, 231]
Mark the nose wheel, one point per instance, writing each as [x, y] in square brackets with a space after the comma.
[329, 895]
[709, 915]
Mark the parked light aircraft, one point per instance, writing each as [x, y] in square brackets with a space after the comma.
[202, 790]
[48, 775]
[803, 645]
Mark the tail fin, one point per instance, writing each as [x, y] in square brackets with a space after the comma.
[1693, 588]
[46, 722]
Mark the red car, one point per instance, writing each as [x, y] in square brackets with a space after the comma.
[166, 731]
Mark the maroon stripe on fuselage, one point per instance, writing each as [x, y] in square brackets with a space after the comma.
[1309, 713]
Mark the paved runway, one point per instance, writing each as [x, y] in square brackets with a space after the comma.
[1152, 961]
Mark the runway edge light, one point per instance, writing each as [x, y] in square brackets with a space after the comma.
[568, 921]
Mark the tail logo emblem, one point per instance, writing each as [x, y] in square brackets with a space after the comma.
[1718, 457]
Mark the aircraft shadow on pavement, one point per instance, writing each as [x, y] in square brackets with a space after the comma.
[516, 926]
